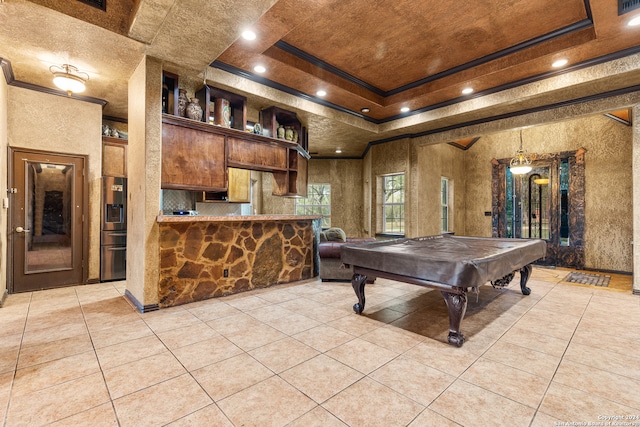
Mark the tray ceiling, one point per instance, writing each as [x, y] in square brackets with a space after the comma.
[374, 55]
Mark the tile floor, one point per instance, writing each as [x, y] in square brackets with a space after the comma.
[296, 355]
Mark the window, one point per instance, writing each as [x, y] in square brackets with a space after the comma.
[393, 204]
[445, 199]
[317, 202]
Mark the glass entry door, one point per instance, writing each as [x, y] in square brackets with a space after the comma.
[47, 208]
[529, 204]
[547, 203]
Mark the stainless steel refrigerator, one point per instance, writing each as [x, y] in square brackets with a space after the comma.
[113, 233]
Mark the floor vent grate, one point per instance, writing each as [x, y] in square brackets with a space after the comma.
[588, 279]
[625, 6]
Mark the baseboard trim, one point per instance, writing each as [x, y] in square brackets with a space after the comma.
[93, 281]
[136, 304]
[3, 298]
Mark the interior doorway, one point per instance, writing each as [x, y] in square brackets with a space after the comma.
[546, 203]
[47, 230]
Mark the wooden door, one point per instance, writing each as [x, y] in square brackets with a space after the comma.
[47, 232]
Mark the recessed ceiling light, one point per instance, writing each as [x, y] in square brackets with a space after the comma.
[404, 109]
[321, 92]
[634, 22]
[365, 110]
[248, 35]
[338, 151]
[559, 63]
[467, 90]
[259, 69]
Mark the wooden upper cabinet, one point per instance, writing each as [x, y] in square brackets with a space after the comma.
[223, 108]
[114, 157]
[192, 159]
[248, 154]
[272, 117]
[293, 182]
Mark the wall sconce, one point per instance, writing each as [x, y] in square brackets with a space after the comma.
[541, 181]
[69, 78]
[521, 163]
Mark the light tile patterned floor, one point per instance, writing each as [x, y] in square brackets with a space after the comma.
[297, 355]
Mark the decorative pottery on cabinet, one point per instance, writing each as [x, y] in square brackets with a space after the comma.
[222, 112]
[182, 102]
[194, 111]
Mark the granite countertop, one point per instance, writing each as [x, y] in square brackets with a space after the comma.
[234, 218]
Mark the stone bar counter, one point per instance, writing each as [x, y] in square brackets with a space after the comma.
[205, 257]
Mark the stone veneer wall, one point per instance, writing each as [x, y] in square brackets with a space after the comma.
[257, 254]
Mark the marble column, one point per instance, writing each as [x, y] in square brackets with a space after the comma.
[635, 117]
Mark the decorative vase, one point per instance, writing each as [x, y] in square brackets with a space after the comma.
[222, 115]
[295, 136]
[182, 102]
[288, 133]
[194, 110]
[280, 131]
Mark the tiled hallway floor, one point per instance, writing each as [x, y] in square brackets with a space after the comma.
[297, 355]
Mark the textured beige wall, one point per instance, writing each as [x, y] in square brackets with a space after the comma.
[435, 162]
[636, 194]
[270, 204]
[367, 185]
[345, 178]
[3, 187]
[608, 172]
[144, 167]
[60, 124]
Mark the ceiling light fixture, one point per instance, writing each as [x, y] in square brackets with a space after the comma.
[559, 63]
[69, 78]
[634, 22]
[259, 69]
[467, 91]
[364, 110]
[321, 92]
[248, 35]
[404, 109]
[521, 163]
[338, 151]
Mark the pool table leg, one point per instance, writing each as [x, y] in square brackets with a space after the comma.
[357, 282]
[457, 306]
[525, 272]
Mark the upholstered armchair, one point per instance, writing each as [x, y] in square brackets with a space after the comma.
[331, 267]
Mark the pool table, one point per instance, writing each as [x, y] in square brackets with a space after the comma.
[452, 264]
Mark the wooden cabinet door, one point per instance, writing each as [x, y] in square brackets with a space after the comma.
[239, 185]
[192, 159]
[256, 156]
[114, 157]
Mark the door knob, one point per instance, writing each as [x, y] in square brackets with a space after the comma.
[21, 230]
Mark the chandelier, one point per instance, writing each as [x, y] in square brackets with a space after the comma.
[521, 163]
[69, 78]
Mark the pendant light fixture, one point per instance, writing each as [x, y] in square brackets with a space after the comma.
[69, 78]
[521, 163]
